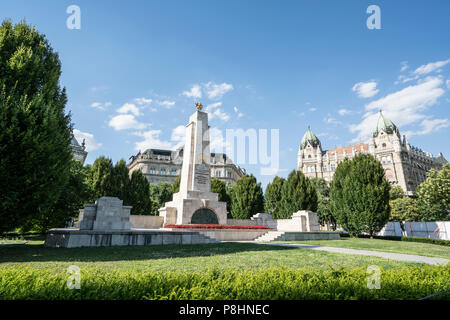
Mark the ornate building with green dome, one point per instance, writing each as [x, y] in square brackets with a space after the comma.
[404, 165]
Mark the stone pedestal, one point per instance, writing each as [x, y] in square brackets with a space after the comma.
[308, 220]
[108, 213]
[195, 203]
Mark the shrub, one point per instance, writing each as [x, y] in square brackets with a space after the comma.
[226, 284]
[398, 238]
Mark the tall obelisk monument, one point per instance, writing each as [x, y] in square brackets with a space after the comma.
[195, 203]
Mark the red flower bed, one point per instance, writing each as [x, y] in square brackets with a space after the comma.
[212, 226]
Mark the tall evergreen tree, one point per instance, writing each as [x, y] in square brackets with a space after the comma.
[139, 194]
[298, 193]
[103, 178]
[360, 195]
[272, 197]
[35, 157]
[247, 199]
[219, 187]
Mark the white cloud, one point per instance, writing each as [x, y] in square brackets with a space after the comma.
[195, 92]
[404, 66]
[125, 122]
[152, 140]
[239, 114]
[90, 142]
[344, 112]
[101, 105]
[430, 67]
[217, 142]
[129, 108]
[217, 91]
[330, 120]
[142, 101]
[166, 103]
[429, 126]
[178, 136]
[313, 109]
[447, 83]
[365, 89]
[403, 107]
[214, 111]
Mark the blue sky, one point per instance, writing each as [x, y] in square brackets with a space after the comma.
[134, 70]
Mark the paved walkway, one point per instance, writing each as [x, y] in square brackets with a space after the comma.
[386, 255]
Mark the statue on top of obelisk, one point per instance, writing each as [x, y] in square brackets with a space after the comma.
[195, 203]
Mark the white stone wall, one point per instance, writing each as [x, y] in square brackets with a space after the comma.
[146, 222]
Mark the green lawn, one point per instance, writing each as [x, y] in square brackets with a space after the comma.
[177, 257]
[417, 248]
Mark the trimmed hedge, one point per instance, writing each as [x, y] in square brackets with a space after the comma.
[398, 238]
[227, 284]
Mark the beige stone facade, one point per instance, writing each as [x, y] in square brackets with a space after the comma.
[165, 166]
[404, 165]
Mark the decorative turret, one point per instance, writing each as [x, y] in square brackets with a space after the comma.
[386, 125]
[309, 138]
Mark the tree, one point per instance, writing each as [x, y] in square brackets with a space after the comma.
[230, 191]
[176, 185]
[35, 157]
[75, 194]
[404, 209]
[102, 178]
[248, 198]
[219, 187]
[160, 194]
[396, 193]
[324, 213]
[121, 187]
[272, 204]
[434, 195]
[139, 194]
[360, 195]
[298, 193]
[322, 187]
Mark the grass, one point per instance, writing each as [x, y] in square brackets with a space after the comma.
[416, 248]
[181, 258]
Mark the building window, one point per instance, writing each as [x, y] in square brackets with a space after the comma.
[229, 174]
[324, 168]
[173, 172]
[309, 156]
[310, 169]
[218, 174]
[383, 160]
[152, 170]
[383, 145]
[333, 167]
[389, 159]
[162, 171]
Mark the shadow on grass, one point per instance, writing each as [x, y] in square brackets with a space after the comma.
[39, 253]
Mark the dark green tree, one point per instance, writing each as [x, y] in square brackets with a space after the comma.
[121, 187]
[247, 199]
[35, 157]
[139, 194]
[323, 202]
[272, 197]
[102, 178]
[219, 187]
[75, 194]
[230, 191]
[360, 195]
[298, 193]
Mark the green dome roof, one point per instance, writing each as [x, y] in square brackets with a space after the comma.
[309, 137]
[384, 124]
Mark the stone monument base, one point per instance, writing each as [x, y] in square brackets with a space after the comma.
[74, 238]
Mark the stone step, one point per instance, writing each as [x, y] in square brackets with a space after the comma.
[270, 236]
